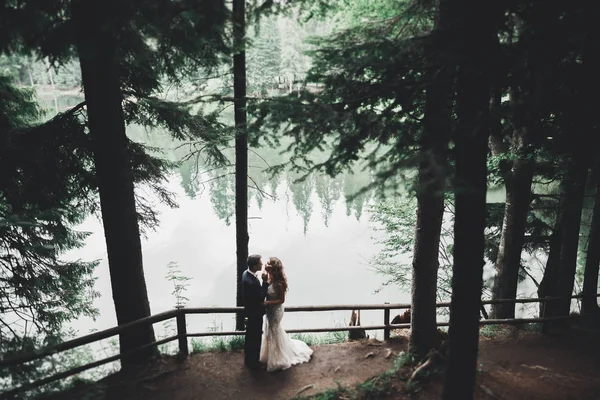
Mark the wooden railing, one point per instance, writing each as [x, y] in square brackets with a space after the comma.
[183, 335]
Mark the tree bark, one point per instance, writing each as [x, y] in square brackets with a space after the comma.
[49, 70]
[517, 179]
[96, 47]
[518, 197]
[548, 284]
[478, 36]
[562, 283]
[591, 63]
[241, 149]
[570, 243]
[430, 208]
[30, 77]
[592, 263]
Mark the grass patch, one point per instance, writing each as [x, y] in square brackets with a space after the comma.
[217, 344]
[491, 331]
[236, 343]
[532, 327]
[373, 389]
[313, 339]
[329, 394]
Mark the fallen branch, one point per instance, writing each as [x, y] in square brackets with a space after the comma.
[304, 389]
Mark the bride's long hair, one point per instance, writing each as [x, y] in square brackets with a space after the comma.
[276, 271]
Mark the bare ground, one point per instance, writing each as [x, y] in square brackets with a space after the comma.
[526, 365]
[513, 366]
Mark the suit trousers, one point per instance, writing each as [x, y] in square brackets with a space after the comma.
[254, 324]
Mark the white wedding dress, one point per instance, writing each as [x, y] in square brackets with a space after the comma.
[278, 350]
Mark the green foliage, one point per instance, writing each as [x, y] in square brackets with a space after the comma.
[43, 195]
[180, 284]
[314, 339]
[48, 186]
[197, 177]
[159, 46]
[396, 219]
[492, 330]
[513, 331]
[263, 58]
[198, 346]
[367, 103]
[218, 344]
[236, 343]
[375, 388]
[361, 13]
[329, 394]
[26, 70]
[18, 108]
[328, 191]
[223, 197]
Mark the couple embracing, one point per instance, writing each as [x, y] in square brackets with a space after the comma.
[264, 293]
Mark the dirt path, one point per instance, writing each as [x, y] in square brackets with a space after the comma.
[524, 365]
[538, 367]
[531, 366]
[220, 376]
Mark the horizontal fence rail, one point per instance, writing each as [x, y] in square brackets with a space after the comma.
[182, 334]
[87, 339]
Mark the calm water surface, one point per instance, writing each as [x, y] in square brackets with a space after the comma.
[324, 241]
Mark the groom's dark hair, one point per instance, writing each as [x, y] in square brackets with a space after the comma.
[253, 260]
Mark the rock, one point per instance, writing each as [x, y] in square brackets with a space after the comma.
[370, 354]
[337, 369]
[388, 353]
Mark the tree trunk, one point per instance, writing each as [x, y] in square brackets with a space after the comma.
[591, 63]
[592, 262]
[30, 76]
[96, 47]
[241, 149]
[49, 68]
[430, 209]
[562, 284]
[547, 286]
[518, 197]
[570, 242]
[478, 36]
[517, 179]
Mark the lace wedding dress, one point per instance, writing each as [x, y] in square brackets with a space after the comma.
[278, 350]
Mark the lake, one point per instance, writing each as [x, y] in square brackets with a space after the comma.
[324, 239]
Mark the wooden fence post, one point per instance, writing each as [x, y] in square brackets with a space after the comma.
[386, 322]
[182, 333]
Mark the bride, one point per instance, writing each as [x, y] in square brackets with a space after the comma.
[278, 350]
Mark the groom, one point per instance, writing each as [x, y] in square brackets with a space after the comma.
[254, 288]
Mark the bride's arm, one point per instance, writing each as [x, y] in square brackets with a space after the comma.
[279, 300]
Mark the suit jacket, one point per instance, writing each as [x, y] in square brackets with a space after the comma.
[254, 294]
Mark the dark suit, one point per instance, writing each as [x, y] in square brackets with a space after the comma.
[254, 296]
